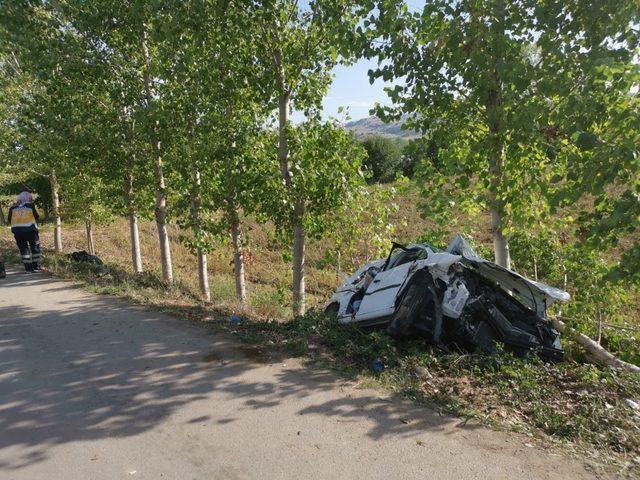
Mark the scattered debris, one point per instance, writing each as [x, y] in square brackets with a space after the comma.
[453, 298]
[314, 342]
[632, 404]
[421, 371]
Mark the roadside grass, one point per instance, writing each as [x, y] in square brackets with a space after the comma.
[575, 407]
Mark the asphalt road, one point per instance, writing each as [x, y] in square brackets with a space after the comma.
[94, 388]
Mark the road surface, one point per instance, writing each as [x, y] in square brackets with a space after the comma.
[94, 388]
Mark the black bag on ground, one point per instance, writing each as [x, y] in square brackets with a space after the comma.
[83, 256]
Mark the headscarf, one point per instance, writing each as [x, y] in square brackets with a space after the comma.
[24, 197]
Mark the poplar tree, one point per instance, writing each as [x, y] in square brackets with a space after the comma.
[486, 80]
[300, 47]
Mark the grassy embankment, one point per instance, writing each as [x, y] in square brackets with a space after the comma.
[577, 405]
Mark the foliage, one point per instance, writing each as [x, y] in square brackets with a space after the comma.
[363, 229]
[325, 165]
[596, 297]
[217, 137]
[301, 45]
[384, 161]
[486, 80]
[419, 151]
[35, 184]
[600, 136]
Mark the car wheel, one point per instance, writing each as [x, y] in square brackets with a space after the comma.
[419, 311]
[332, 309]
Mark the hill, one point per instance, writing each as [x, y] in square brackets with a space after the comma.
[373, 126]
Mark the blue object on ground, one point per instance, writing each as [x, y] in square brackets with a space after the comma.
[377, 365]
[235, 319]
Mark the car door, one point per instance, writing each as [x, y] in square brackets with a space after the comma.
[379, 299]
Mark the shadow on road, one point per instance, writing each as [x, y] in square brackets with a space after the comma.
[78, 367]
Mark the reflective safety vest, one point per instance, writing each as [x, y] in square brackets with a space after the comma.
[22, 216]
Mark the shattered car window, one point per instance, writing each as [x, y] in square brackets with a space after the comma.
[405, 256]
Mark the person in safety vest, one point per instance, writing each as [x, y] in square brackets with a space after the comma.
[22, 218]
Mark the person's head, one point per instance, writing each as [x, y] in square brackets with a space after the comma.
[24, 197]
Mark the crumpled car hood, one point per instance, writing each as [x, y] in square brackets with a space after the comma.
[535, 295]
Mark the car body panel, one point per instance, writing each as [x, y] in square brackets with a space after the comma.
[379, 298]
[535, 295]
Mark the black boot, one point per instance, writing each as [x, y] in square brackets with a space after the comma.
[3, 273]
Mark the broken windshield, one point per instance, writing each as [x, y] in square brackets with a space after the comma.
[405, 255]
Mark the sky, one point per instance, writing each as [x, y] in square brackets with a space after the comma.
[351, 89]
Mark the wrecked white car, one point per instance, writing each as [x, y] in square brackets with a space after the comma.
[453, 298]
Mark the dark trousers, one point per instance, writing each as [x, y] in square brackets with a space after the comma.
[29, 245]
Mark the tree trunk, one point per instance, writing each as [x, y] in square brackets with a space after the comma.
[283, 144]
[298, 260]
[55, 205]
[298, 286]
[494, 113]
[161, 223]
[594, 352]
[134, 234]
[161, 189]
[238, 259]
[3, 219]
[203, 273]
[90, 246]
[136, 256]
[496, 158]
[500, 242]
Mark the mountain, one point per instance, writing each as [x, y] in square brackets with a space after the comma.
[373, 126]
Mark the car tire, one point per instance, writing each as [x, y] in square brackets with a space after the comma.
[410, 307]
[411, 317]
[332, 309]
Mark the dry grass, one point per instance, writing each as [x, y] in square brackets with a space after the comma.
[268, 273]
